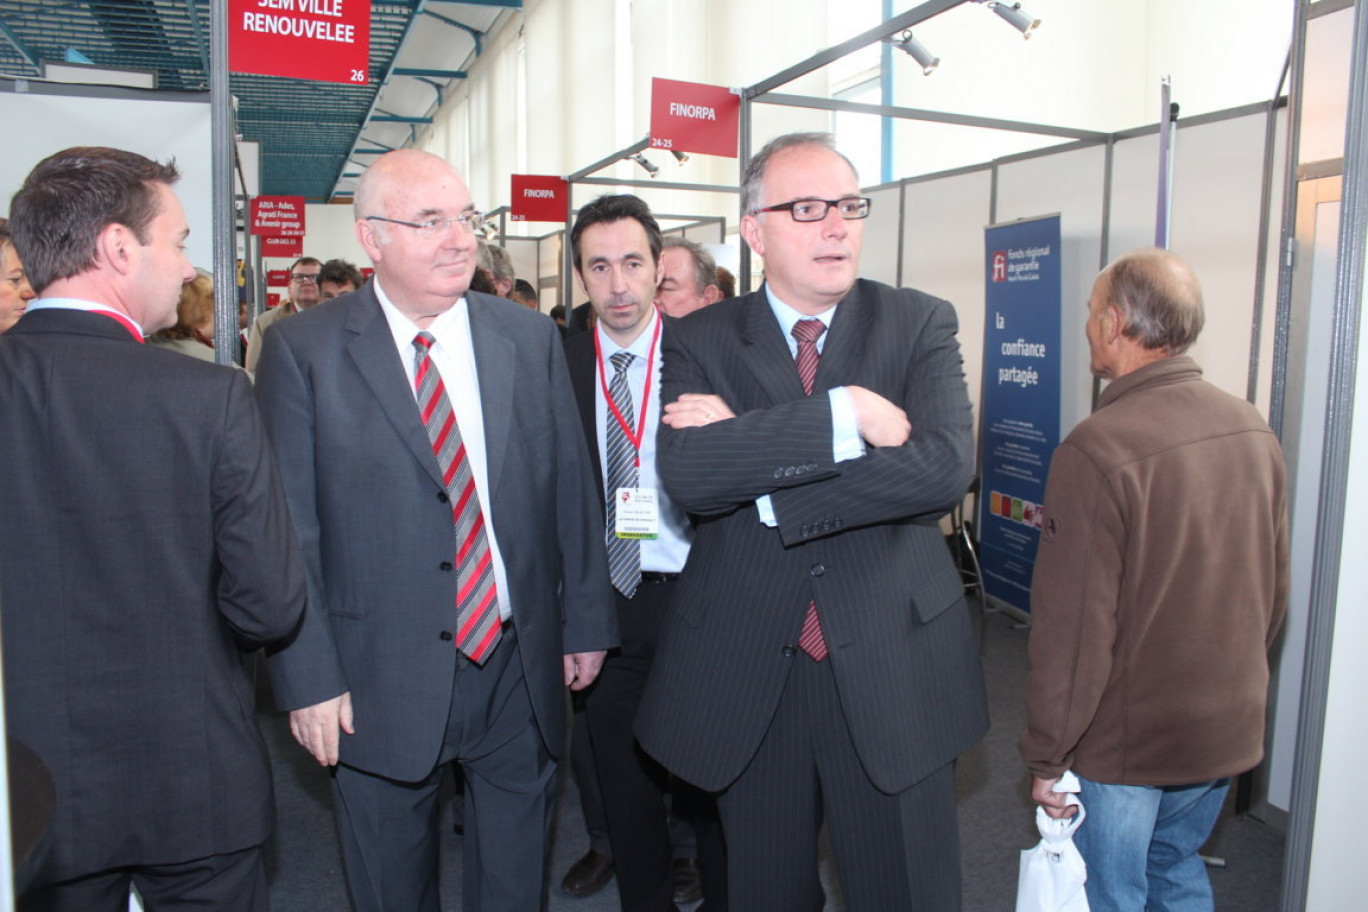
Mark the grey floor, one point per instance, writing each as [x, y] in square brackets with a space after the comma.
[996, 821]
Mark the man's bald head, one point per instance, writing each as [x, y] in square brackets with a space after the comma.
[1158, 297]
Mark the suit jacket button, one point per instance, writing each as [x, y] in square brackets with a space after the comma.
[801, 470]
[826, 525]
[442, 497]
[446, 566]
[837, 523]
[789, 652]
[812, 466]
[778, 473]
[788, 473]
[818, 569]
[446, 635]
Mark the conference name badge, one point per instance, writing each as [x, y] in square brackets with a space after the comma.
[638, 513]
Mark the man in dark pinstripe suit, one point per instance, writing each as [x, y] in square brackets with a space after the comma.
[817, 662]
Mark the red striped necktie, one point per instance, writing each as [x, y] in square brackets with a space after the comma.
[807, 332]
[478, 626]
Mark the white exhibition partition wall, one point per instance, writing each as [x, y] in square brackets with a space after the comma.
[879, 256]
[159, 125]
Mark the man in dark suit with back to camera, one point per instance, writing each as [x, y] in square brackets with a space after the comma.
[145, 544]
[817, 660]
[615, 369]
[442, 495]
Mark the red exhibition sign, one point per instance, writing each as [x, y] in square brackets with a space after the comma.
[282, 246]
[692, 117]
[538, 198]
[322, 40]
[278, 216]
[277, 278]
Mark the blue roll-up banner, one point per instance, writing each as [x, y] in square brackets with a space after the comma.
[1019, 427]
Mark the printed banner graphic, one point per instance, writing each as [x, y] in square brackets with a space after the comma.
[278, 216]
[693, 117]
[322, 40]
[1020, 400]
[538, 198]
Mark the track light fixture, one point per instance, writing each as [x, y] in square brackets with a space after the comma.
[651, 168]
[918, 52]
[680, 157]
[1019, 19]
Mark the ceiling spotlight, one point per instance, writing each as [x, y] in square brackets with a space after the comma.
[918, 52]
[680, 157]
[651, 168]
[1020, 20]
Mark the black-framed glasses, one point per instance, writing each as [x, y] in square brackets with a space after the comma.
[470, 220]
[301, 277]
[814, 210]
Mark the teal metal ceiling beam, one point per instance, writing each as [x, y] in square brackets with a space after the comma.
[192, 7]
[395, 118]
[19, 46]
[475, 34]
[436, 74]
[506, 4]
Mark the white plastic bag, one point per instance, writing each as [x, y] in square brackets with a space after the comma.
[1052, 874]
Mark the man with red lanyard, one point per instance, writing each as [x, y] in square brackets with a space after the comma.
[616, 374]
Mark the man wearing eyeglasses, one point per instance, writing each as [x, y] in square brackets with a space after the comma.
[458, 583]
[303, 294]
[817, 663]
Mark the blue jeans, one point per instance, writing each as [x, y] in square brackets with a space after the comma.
[1140, 843]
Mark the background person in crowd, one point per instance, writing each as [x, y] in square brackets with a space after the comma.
[1161, 579]
[144, 546]
[303, 294]
[688, 278]
[15, 291]
[444, 502]
[615, 244]
[726, 283]
[525, 294]
[817, 661]
[338, 277]
[193, 332]
[497, 266]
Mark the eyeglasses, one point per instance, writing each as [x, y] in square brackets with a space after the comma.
[299, 278]
[470, 220]
[814, 210]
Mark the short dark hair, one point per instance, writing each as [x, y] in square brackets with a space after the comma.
[753, 180]
[705, 267]
[340, 271]
[614, 208]
[4, 231]
[70, 197]
[524, 287]
[726, 282]
[306, 261]
[1159, 299]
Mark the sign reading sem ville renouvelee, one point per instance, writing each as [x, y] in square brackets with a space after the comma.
[692, 117]
[322, 40]
[1020, 400]
[538, 198]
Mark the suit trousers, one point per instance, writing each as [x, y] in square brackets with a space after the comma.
[893, 852]
[389, 829]
[634, 786]
[235, 882]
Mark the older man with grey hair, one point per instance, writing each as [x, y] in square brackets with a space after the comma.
[1161, 579]
[688, 278]
[498, 266]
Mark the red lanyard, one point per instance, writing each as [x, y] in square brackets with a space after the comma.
[633, 438]
[123, 321]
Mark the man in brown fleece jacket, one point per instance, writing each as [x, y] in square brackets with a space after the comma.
[1160, 581]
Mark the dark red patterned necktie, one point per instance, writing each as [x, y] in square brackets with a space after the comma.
[807, 333]
[478, 626]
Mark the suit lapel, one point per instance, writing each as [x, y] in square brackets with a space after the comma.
[495, 363]
[766, 353]
[583, 379]
[847, 336]
[376, 359]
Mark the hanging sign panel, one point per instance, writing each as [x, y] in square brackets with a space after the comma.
[282, 246]
[693, 117]
[278, 216]
[322, 40]
[1020, 401]
[538, 198]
